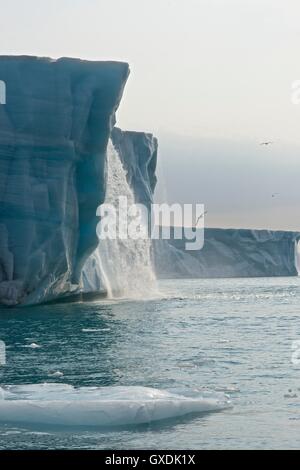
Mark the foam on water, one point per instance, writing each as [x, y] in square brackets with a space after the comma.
[64, 405]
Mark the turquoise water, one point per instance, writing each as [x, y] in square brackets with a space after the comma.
[231, 336]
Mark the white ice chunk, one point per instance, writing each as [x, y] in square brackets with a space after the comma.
[60, 404]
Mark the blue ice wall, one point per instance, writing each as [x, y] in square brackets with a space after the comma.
[54, 130]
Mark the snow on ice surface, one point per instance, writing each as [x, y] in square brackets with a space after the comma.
[61, 404]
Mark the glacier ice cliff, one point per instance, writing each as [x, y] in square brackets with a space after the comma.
[138, 153]
[54, 131]
[229, 253]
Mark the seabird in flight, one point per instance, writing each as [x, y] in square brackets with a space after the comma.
[201, 217]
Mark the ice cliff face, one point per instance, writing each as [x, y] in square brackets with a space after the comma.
[230, 253]
[54, 130]
[138, 154]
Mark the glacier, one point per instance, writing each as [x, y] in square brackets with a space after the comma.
[54, 131]
[61, 157]
[230, 253]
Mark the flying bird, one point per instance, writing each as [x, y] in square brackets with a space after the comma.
[275, 194]
[266, 143]
[201, 217]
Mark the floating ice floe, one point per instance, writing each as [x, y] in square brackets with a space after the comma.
[94, 330]
[56, 374]
[33, 346]
[64, 405]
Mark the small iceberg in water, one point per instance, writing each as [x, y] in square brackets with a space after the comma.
[64, 405]
[32, 346]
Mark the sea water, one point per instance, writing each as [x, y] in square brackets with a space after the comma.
[204, 364]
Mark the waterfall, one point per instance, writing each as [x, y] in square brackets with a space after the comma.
[297, 256]
[121, 267]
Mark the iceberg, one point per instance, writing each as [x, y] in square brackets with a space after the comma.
[54, 131]
[64, 405]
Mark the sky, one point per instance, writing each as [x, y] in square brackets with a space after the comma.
[212, 79]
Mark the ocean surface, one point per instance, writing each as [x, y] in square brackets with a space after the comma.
[198, 341]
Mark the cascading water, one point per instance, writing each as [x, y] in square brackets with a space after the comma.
[121, 267]
[297, 256]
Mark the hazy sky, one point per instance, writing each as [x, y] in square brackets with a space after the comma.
[214, 74]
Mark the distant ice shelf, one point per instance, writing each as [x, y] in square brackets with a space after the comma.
[230, 253]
